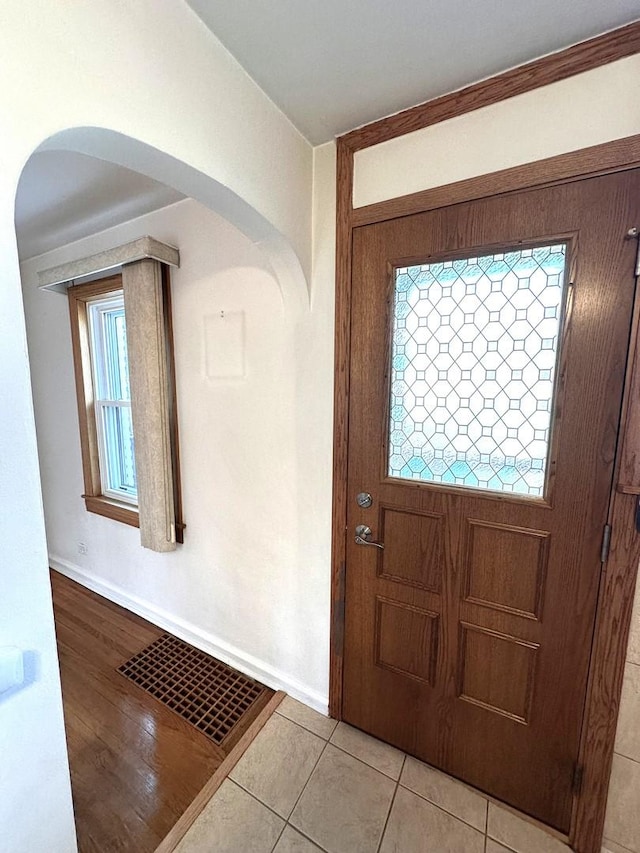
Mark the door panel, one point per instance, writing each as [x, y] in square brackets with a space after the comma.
[467, 638]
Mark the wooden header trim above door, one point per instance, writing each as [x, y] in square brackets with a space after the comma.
[584, 56]
[597, 159]
[616, 593]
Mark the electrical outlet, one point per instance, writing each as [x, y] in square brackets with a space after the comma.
[82, 548]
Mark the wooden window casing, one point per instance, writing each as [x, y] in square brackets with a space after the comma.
[95, 501]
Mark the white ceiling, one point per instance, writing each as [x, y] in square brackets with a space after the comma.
[64, 196]
[332, 65]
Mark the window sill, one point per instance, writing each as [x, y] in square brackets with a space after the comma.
[112, 509]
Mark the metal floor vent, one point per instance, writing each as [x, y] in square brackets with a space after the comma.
[202, 690]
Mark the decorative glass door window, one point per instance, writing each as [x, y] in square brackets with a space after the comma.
[474, 353]
[112, 397]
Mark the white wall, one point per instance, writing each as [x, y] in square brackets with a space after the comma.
[35, 798]
[251, 582]
[151, 70]
[594, 107]
[147, 70]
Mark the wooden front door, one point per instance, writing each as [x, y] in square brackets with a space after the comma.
[488, 346]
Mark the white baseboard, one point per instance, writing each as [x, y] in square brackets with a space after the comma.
[218, 648]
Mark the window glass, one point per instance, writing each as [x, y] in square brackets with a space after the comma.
[112, 397]
[474, 352]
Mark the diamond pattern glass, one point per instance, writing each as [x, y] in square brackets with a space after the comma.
[474, 354]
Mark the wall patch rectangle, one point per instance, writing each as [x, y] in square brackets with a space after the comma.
[224, 345]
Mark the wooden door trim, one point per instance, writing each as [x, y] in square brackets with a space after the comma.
[613, 619]
[617, 588]
[344, 228]
[617, 44]
[608, 157]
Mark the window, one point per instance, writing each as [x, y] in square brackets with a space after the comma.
[98, 332]
[125, 382]
[475, 345]
[112, 397]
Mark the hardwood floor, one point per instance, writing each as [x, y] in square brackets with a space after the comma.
[135, 765]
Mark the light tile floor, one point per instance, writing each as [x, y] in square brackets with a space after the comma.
[310, 785]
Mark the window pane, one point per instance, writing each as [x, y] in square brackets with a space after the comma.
[473, 369]
[109, 348]
[119, 460]
[110, 365]
[115, 339]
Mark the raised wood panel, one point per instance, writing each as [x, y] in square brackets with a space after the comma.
[506, 567]
[406, 639]
[497, 672]
[412, 548]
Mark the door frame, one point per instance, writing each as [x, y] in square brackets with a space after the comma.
[618, 580]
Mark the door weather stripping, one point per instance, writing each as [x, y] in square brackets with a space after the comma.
[606, 542]
[634, 234]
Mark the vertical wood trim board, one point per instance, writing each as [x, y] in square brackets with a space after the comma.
[148, 375]
[613, 616]
[341, 418]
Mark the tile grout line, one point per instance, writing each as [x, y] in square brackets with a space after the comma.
[304, 787]
[370, 766]
[446, 811]
[313, 769]
[328, 742]
[398, 782]
[279, 816]
[269, 808]
[284, 826]
[257, 799]
[629, 758]
[266, 805]
[306, 728]
[617, 843]
[307, 837]
[393, 799]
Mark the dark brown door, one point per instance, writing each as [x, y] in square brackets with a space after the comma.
[488, 349]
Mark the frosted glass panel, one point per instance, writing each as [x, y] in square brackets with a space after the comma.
[473, 369]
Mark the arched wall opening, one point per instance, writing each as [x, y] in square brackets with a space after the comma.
[140, 157]
[245, 441]
[289, 589]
